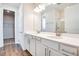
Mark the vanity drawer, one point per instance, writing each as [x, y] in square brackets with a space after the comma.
[52, 52]
[69, 50]
[50, 44]
[38, 38]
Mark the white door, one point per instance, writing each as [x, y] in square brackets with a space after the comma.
[32, 46]
[41, 50]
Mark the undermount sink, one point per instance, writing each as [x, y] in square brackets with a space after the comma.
[56, 37]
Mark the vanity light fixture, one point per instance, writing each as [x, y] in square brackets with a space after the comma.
[42, 7]
[39, 8]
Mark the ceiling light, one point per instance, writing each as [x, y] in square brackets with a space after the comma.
[8, 11]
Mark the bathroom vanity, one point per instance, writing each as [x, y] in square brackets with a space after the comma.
[49, 45]
[61, 20]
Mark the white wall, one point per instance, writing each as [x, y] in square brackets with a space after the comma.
[32, 20]
[21, 26]
[71, 16]
[28, 18]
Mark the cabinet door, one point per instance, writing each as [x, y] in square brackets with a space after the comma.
[41, 50]
[27, 42]
[32, 46]
[54, 53]
[50, 43]
[68, 50]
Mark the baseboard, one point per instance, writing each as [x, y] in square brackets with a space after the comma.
[9, 38]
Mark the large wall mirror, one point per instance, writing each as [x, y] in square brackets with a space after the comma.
[62, 18]
[48, 19]
[71, 19]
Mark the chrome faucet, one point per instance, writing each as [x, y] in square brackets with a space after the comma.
[38, 31]
[58, 33]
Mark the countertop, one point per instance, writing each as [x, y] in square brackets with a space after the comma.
[70, 40]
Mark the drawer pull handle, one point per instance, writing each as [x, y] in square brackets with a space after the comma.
[65, 54]
[67, 51]
[45, 51]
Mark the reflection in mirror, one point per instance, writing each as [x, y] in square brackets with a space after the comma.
[60, 18]
[71, 19]
[48, 21]
[43, 23]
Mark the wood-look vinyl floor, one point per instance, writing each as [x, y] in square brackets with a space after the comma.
[12, 49]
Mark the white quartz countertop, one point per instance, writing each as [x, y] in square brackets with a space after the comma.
[74, 41]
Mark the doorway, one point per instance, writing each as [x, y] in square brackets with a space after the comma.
[8, 27]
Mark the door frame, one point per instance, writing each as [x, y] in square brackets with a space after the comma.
[12, 26]
[16, 21]
[19, 37]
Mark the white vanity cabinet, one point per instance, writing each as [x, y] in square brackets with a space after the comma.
[32, 45]
[39, 46]
[68, 50]
[53, 47]
[41, 50]
[27, 42]
[52, 44]
[52, 52]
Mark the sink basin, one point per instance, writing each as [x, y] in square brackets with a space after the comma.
[56, 37]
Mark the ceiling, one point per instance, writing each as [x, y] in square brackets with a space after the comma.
[62, 5]
[58, 5]
[16, 5]
[49, 6]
